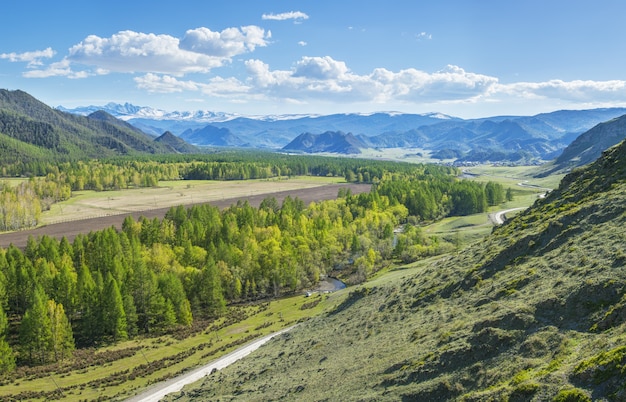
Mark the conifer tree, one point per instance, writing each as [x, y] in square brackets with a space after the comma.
[211, 294]
[62, 338]
[35, 329]
[113, 314]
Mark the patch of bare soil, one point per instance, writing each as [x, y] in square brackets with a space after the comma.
[71, 229]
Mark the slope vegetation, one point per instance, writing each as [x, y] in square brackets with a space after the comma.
[536, 311]
[32, 131]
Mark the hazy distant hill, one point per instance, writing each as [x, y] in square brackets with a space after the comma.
[176, 144]
[31, 130]
[535, 312]
[590, 145]
[543, 136]
[330, 141]
[211, 135]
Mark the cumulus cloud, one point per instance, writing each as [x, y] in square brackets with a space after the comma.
[302, 43]
[32, 58]
[320, 68]
[217, 86]
[228, 43]
[199, 51]
[291, 15]
[324, 77]
[154, 83]
[58, 69]
[577, 90]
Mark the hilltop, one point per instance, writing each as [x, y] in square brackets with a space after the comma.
[330, 141]
[536, 311]
[32, 131]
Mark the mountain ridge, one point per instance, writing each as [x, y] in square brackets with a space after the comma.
[31, 131]
[330, 141]
[589, 146]
[499, 138]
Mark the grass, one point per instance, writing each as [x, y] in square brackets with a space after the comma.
[217, 340]
[510, 176]
[471, 228]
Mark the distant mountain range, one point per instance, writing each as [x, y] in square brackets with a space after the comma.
[500, 138]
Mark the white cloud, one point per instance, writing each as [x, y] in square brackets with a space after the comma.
[577, 90]
[33, 58]
[324, 77]
[302, 43]
[129, 52]
[154, 83]
[58, 69]
[322, 68]
[291, 15]
[228, 43]
[424, 36]
[327, 80]
[199, 51]
[225, 87]
[217, 86]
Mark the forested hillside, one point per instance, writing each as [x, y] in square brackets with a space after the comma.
[536, 312]
[31, 131]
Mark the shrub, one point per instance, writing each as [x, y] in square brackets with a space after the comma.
[571, 395]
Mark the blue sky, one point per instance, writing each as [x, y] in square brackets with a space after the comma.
[463, 58]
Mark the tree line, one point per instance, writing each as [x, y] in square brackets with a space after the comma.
[156, 275]
[54, 182]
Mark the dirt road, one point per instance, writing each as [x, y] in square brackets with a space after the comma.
[71, 229]
[498, 217]
[158, 391]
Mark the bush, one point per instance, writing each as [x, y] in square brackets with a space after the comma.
[571, 395]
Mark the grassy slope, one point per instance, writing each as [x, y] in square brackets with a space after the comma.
[537, 308]
[127, 368]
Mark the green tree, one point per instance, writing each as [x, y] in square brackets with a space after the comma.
[62, 338]
[36, 330]
[509, 194]
[161, 314]
[65, 284]
[172, 289]
[88, 296]
[113, 314]
[210, 289]
[7, 357]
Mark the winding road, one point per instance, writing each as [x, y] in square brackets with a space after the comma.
[499, 217]
[158, 391]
